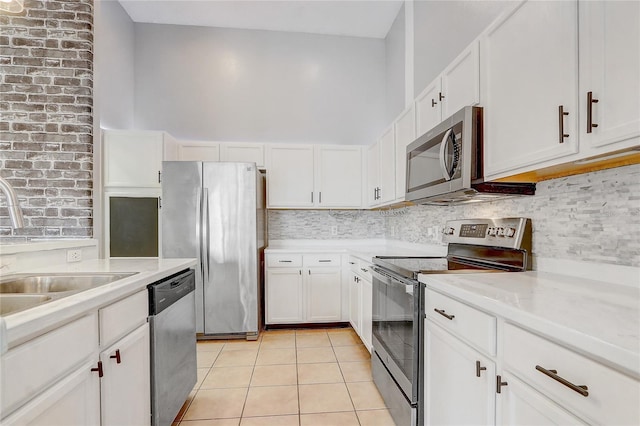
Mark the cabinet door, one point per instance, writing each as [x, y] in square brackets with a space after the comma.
[521, 405]
[455, 395]
[355, 300]
[387, 183]
[74, 401]
[198, 151]
[367, 313]
[428, 109]
[339, 176]
[126, 384]
[609, 68]
[373, 174]
[243, 153]
[405, 132]
[324, 294]
[530, 68]
[132, 158]
[284, 295]
[290, 176]
[461, 81]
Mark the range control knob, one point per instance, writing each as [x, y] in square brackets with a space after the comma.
[510, 232]
[492, 231]
[449, 231]
[500, 232]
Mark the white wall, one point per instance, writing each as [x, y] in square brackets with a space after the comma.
[114, 61]
[395, 62]
[262, 86]
[442, 29]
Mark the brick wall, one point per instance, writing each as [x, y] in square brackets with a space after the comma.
[46, 134]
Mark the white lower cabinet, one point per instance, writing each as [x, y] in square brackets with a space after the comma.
[521, 405]
[73, 401]
[71, 376]
[360, 300]
[303, 294]
[457, 376]
[126, 384]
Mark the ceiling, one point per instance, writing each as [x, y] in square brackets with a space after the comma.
[358, 18]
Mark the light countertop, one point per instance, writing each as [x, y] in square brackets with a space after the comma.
[363, 249]
[598, 318]
[23, 326]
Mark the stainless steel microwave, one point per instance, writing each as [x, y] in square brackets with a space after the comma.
[444, 165]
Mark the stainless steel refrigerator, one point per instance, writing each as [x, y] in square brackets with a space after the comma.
[215, 212]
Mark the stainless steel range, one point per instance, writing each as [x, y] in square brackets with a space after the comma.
[475, 245]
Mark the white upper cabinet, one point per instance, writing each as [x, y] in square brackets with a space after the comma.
[461, 81]
[529, 64]
[405, 133]
[381, 170]
[290, 176]
[458, 86]
[609, 75]
[133, 158]
[339, 176]
[243, 153]
[314, 176]
[428, 109]
[198, 151]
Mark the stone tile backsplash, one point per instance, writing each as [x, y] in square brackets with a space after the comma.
[46, 133]
[592, 217]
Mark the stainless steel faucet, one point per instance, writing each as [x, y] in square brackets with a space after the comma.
[15, 213]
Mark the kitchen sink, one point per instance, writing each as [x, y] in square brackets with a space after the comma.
[23, 291]
[54, 283]
[11, 303]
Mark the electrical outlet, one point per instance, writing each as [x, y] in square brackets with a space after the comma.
[74, 255]
[334, 230]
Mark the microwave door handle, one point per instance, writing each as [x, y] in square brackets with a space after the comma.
[443, 146]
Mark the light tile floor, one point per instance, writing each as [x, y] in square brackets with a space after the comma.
[285, 378]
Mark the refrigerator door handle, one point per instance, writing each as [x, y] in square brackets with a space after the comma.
[200, 230]
[205, 221]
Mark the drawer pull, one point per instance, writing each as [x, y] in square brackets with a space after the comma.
[284, 261]
[364, 270]
[442, 312]
[500, 384]
[479, 368]
[324, 260]
[581, 389]
[117, 356]
[352, 263]
[99, 369]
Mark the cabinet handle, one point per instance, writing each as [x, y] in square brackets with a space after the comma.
[479, 368]
[433, 103]
[581, 389]
[320, 197]
[440, 96]
[590, 102]
[300, 271]
[284, 261]
[442, 312]
[364, 270]
[99, 369]
[324, 260]
[309, 270]
[500, 384]
[312, 196]
[352, 263]
[561, 133]
[159, 174]
[117, 356]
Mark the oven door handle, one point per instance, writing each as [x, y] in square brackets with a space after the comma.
[389, 279]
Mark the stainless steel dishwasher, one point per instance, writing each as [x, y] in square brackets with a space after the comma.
[173, 344]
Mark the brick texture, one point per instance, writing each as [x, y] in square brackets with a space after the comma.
[46, 106]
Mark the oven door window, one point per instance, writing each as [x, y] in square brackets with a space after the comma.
[394, 307]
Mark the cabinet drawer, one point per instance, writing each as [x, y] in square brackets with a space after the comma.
[322, 260]
[284, 260]
[120, 318]
[612, 396]
[466, 322]
[46, 358]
